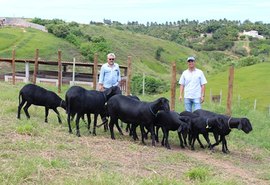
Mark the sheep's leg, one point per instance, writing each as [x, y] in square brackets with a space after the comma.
[190, 138]
[206, 137]
[95, 124]
[111, 124]
[127, 127]
[19, 108]
[193, 141]
[217, 141]
[26, 109]
[223, 144]
[58, 115]
[181, 140]
[46, 114]
[167, 145]
[131, 129]
[184, 135]
[152, 135]
[156, 136]
[226, 148]
[199, 141]
[77, 125]
[163, 137]
[88, 122]
[105, 122]
[133, 132]
[119, 129]
[68, 120]
[142, 130]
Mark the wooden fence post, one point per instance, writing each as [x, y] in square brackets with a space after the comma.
[13, 66]
[36, 67]
[73, 71]
[255, 104]
[95, 73]
[230, 91]
[59, 71]
[128, 76]
[173, 86]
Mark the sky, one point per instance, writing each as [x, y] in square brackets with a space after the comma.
[143, 11]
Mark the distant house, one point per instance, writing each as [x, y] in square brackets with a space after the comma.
[253, 33]
[21, 22]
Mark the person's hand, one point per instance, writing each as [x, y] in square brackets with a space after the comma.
[202, 99]
[100, 87]
[180, 98]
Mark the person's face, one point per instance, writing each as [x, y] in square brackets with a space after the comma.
[191, 63]
[110, 60]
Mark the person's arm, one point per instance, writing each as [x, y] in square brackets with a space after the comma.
[119, 76]
[181, 92]
[202, 93]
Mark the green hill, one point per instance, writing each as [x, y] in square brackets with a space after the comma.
[250, 83]
[26, 40]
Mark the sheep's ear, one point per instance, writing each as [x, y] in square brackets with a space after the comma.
[179, 128]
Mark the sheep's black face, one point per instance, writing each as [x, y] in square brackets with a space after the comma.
[246, 125]
[112, 91]
[165, 104]
[63, 104]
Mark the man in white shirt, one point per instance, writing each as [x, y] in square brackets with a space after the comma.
[192, 84]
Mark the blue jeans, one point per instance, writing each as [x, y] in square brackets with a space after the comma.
[190, 102]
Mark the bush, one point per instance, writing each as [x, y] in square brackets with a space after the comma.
[152, 85]
[248, 61]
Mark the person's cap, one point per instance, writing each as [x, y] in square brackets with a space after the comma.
[190, 58]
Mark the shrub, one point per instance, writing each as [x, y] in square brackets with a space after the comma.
[152, 85]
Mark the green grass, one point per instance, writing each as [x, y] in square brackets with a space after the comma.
[250, 83]
[26, 40]
[35, 152]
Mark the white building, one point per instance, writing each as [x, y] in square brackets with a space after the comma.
[253, 33]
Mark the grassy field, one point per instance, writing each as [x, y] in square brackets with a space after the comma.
[250, 83]
[34, 152]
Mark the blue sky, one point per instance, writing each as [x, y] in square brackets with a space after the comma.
[143, 11]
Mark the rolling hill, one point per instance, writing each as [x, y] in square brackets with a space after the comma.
[249, 83]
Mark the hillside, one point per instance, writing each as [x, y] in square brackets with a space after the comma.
[26, 40]
[142, 49]
[250, 83]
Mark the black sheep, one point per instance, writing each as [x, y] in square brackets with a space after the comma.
[133, 111]
[201, 125]
[171, 121]
[81, 101]
[227, 124]
[36, 95]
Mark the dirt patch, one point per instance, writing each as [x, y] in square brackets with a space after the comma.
[226, 166]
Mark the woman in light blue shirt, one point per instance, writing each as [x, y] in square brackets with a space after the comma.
[192, 83]
[109, 73]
